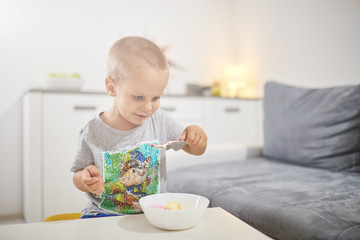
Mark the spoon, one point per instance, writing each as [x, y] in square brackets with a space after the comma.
[168, 145]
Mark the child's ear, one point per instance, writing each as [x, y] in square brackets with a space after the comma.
[110, 87]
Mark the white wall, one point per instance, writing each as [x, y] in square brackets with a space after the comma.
[302, 42]
[38, 37]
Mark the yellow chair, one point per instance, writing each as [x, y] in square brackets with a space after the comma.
[61, 217]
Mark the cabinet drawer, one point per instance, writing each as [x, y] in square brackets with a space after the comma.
[187, 111]
[231, 120]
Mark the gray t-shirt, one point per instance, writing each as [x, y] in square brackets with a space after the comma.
[97, 137]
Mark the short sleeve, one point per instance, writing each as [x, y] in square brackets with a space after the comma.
[84, 156]
[173, 130]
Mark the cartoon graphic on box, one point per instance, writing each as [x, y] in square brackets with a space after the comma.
[130, 174]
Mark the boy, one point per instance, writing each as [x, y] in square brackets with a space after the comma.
[137, 74]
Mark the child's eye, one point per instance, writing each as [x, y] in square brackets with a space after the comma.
[155, 99]
[138, 97]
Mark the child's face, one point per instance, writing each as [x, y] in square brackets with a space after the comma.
[138, 96]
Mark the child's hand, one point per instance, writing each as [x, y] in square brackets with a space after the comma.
[91, 180]
[195, 139]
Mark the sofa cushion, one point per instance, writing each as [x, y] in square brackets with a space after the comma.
[313, 127]
[282, 200]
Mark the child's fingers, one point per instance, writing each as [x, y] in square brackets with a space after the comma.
[202, 142]
[97, 187]
[196, 139]
[203, 138]
[199, 139]
[100, 190]
[85, 174]
[90, 181]
[190, 137]
[97, 190]
[93, 171]
[183, 136]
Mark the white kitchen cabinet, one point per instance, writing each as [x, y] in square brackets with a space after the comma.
[63, 117]
[53, 120]
[51, 127]
[186, 110]
[232, 120]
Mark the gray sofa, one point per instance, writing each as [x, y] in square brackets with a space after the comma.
[306, 184]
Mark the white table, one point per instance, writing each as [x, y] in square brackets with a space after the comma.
[215, 224]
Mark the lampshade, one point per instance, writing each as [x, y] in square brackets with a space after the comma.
[236, 75]
[236, 82]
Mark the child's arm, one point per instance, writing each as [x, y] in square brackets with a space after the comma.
[195, 139]
[89, 180]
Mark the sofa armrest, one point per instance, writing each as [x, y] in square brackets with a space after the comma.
[253, 150]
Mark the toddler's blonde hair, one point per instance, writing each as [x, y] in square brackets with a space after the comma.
[130, 53]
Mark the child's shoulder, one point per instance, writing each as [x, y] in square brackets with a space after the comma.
[161, 117]
[91, 126]
[164, 118]
[160, 113]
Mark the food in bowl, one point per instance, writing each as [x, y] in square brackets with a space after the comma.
[157, 206]
[153, 208]
[174, 205]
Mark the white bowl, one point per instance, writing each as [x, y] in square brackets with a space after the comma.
[65, 84]
[174, 219]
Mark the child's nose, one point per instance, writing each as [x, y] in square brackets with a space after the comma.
[146, 107]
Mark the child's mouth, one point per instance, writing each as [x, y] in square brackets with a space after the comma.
[142, 115]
